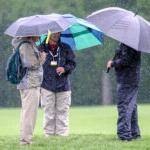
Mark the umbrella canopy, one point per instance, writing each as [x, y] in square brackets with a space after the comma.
[80, 35]
[37, 25]
[124, 26]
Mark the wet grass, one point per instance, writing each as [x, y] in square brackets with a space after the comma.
[91, 128]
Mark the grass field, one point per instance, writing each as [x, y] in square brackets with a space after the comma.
[91, 128]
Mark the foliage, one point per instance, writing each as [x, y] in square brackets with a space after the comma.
[86, 80]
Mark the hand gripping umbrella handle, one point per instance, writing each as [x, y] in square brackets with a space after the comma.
[108, 69]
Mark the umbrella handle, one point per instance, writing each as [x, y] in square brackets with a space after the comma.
[108, 69]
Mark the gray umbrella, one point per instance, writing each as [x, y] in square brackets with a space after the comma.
[37, 25]
[124, 26]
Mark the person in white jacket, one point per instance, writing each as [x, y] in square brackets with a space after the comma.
[29, 87]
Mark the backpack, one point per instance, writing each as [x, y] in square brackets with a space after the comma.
[15, 70]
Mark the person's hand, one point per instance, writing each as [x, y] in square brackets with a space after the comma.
[60, 70]
[43, 55]
[109, 64]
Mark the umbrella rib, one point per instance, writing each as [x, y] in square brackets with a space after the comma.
[75, 34]
[139, 33]
[116, 22]
[98, 38]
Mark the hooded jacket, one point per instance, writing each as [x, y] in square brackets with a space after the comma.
[30, 59]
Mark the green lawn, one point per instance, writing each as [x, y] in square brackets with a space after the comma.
[91, 128]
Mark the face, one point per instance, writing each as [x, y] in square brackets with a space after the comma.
[55, 37]
[35, 39]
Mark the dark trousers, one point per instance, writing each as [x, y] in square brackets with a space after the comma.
[127, 125]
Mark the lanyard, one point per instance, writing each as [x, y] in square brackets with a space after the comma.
[57, 54]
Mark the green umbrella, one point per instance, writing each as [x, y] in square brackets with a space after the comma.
[80, 35]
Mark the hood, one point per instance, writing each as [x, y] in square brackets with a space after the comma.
[17, 40]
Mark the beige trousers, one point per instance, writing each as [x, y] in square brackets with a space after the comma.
[30, 102]
[56, 112]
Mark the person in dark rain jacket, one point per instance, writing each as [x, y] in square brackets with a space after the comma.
[127, 67]
[56, 88]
